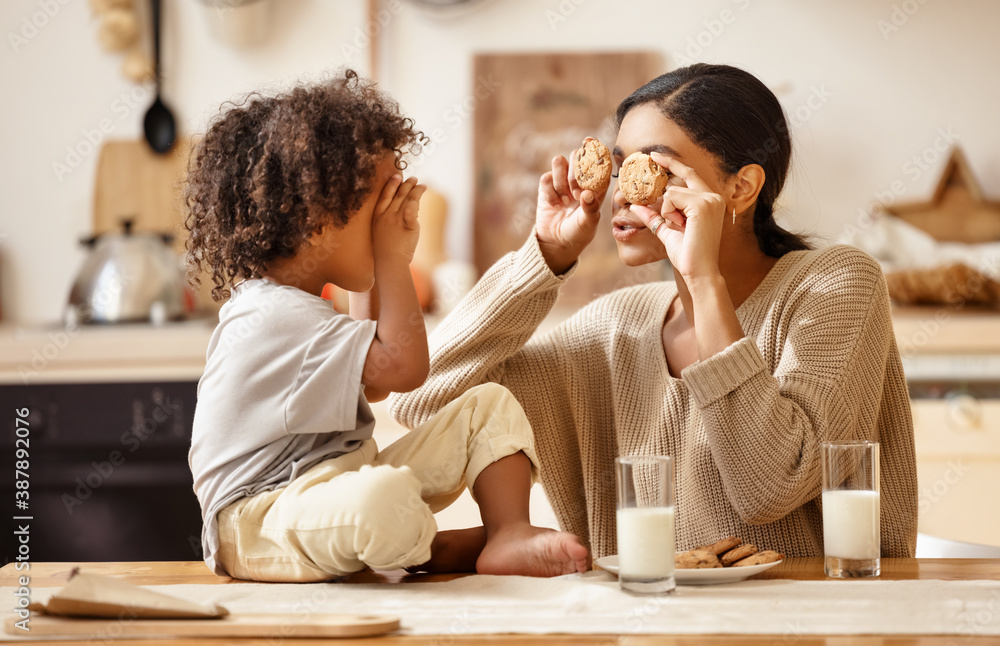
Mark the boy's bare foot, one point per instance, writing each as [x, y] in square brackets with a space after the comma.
[454, 550]
[532, 551]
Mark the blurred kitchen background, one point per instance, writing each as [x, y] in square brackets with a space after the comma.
[893, 114]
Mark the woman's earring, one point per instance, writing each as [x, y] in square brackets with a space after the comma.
[734, 215]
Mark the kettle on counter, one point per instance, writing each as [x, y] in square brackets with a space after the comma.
[129, 278]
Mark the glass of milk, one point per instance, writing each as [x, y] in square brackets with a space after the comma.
[645, 523]
[851, 537]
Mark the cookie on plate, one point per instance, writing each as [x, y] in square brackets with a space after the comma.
[737, 553]
[718, 547]
[696, 559]
[760, 558]
[641, 180]
[593, 166]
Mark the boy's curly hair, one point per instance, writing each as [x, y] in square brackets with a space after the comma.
[273, 171]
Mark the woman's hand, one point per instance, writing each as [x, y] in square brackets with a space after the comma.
[567, 216]
[688, 222]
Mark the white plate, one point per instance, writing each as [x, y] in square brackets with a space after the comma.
[702, 576]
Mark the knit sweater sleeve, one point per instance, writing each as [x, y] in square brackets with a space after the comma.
[488, 337]
[826, 380]
[487, 332]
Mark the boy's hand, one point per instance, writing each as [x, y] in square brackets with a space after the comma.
[397, 360]
[394, 226]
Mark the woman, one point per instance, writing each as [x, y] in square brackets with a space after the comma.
[759, 350]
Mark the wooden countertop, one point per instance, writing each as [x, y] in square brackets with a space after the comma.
[800, 569]
[946, 330]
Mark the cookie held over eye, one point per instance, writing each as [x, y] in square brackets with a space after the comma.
[593, 166]
[641, 180]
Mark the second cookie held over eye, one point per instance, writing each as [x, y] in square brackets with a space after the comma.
[593, 166]
[641, 180]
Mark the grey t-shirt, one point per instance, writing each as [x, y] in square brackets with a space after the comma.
[281, 391]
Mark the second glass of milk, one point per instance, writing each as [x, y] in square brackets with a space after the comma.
[645, 523]
[851, 537]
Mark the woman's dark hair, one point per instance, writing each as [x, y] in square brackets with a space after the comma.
[732, 115]
[272, 171]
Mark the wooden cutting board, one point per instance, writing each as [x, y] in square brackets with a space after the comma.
[134, 182]
[527, 109]
[278, 626]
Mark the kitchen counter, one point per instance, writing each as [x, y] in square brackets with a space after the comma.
[801, 569]
[126, 352]
[176, 351]
[104, 353]
[946, 330]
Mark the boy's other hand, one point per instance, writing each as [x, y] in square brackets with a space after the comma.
[395, 229]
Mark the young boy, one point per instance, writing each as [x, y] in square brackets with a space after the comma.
[286, 194]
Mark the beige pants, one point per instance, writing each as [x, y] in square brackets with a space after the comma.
[372, 507]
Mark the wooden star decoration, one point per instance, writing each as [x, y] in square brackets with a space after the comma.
[957, 212]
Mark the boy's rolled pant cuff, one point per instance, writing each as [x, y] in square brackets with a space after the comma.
[420, 554]
[495, 450]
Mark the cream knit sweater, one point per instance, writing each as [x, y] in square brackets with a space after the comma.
[819, 361]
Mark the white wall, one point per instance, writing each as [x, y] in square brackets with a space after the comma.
[867, 100]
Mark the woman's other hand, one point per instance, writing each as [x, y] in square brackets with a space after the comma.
[687, 220]
[567, 216]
